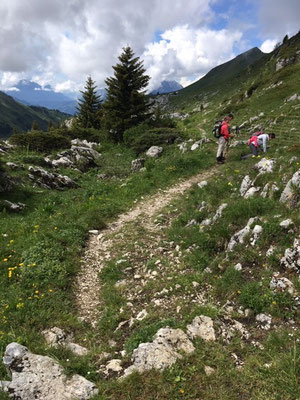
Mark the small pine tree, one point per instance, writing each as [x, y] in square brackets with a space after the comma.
[89, 107]
[126, 103]
[51, 126]
[35, 126]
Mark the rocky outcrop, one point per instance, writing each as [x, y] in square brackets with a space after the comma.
[41, 378]
[48, 180]
[80, 157]
[288, 196]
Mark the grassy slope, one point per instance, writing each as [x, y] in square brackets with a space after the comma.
[47, 238]
[14, 115]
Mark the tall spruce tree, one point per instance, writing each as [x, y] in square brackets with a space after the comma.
[90, 106]
[126, 103]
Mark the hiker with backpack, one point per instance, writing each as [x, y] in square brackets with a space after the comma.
[223, 134]
[258, 142]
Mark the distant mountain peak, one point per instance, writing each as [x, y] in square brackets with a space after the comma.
[167, 87]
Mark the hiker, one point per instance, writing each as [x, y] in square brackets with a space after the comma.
[224, 139]
[258, 142]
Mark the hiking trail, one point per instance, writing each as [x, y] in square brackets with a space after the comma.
[99, 248]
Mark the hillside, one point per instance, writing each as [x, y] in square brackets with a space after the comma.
[14, 115]
[160, 277]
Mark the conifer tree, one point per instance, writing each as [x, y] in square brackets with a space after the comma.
[126, 103]
[89, 107]
[35, 126]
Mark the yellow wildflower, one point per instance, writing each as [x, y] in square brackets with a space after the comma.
[20, 305]
[5, 259]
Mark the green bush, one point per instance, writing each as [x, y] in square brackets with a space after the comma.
[141, 137]
[41, 141]
[89, 134]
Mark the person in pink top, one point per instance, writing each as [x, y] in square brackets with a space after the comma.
[224, 139]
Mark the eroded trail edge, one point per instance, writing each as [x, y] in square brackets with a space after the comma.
[99, 247]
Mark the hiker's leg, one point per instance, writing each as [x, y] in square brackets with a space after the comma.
[221, 146]
[253, 150]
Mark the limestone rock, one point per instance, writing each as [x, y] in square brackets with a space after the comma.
[239, 236]
[251, 192]
[202, 184]
[202, 327]
[154, 151]
[41, 378]
[257, 231]
[281, 284]
[238, 267]
[14, 207]
[162, 352]
[245, 186]
[219, 212]
[229, 327]
[49, 180]
[288, 196]
[84, 143]
[137, 164]
[286, 223]
[264, 321]
[56, 337]
[265, 165]
[291, 259]
[208, 370]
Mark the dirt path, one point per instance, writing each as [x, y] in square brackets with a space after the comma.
[99, 247]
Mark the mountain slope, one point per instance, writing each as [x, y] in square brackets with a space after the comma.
[14, 115]
[223, 73]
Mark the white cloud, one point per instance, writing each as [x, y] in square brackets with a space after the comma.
[268, 45]
[61, 43]
[278, 18]
[185, 51]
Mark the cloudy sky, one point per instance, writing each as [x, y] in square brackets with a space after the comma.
[62, 42]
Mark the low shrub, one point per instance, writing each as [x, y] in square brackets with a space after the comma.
[41, 141]
[141, 137]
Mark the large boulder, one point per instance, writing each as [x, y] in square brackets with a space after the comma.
[41, 378]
